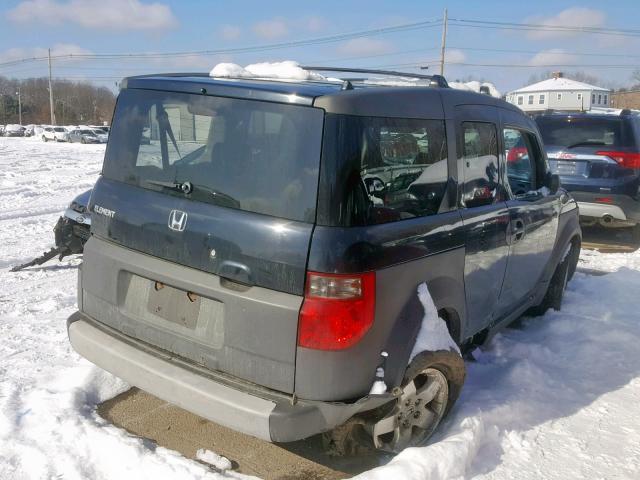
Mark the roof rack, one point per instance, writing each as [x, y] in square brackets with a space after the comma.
[434, 80]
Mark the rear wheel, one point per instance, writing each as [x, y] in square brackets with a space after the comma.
[82, 140]
[558, 284]
[430, 387]
[635, 234]
[44, 139]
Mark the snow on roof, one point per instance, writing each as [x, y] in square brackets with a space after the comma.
[287, 70]
[474, 86]
[559, 83]
[290, 70]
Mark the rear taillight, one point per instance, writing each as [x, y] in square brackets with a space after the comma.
[337, 310]
[624, 159]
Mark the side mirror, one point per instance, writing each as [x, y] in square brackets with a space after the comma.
[552, 182]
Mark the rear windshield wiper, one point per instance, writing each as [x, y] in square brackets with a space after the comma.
[184, 187]
[585, 144]
[219, 198]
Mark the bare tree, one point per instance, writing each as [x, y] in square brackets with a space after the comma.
[75, 103]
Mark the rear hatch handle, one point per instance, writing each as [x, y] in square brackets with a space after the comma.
[237, 272]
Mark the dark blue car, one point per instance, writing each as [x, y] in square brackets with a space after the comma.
[597, 157]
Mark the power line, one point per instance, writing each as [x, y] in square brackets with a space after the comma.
[250, 49]
[543, 27]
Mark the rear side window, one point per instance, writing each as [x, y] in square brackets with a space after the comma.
[377, 170]
[479, 161]
[521, 165]
[585, 131]
[256, 156]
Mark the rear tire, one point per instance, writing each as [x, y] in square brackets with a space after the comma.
[635, 234]
[430, 388]
[558, 284]
[44, 139]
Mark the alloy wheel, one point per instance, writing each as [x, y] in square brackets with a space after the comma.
[417, 412]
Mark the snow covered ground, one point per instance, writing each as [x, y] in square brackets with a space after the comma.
[555, 397]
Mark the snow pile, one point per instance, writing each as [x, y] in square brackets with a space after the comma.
[287, 70]
[554, 397]
[474, 86]
[433, 334]
[217, 461]
[49, 427]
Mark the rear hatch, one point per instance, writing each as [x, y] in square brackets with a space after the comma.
[214, 185]
[583, 148]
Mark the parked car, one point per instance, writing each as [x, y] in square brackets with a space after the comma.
[254, 262]
[597, 157]
[29, 130]
[14, 131]
[101, 134]
[83, 136]
[57, 134]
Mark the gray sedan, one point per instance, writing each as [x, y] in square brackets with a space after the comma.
[83, 136]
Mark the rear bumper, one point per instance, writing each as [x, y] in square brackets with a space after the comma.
[248, 409]
[619, 207]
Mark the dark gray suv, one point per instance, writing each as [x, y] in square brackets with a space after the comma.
[257, 246]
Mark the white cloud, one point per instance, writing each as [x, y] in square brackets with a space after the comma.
[271, 29]
[454, 56]
[58, 49]
[230, 32]
[571, 17]
[554, 56]
[315, 23]
[95, 14]
[365, 46]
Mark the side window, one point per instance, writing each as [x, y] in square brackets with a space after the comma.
[480, 165]
[404, 168]
[520, 161]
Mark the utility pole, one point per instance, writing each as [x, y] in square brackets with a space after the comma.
[19, 106]
[53, 115]
[444, 41]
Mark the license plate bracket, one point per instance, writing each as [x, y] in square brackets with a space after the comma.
[174, 305]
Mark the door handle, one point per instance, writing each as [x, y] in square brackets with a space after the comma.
[517, 230]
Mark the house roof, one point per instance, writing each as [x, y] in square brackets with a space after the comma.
[560, 83]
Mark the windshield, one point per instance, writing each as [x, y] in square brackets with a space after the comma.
[256, 156]
[571, 132]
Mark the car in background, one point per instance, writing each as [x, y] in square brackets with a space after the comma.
[83, 136]
[57, 134]
[14, 131]
[101, 134]
[104, 128]
[597, 156]
[28, 130]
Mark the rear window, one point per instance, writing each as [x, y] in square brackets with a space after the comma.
[571, 132]
[377, 170]
[255, 156]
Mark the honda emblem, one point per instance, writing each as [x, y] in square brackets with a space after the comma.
[177, 220]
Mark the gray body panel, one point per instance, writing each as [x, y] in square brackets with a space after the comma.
[246, 332]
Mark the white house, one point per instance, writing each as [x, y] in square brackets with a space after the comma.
[559, 93]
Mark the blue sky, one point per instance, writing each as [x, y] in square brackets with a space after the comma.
[28, 27]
